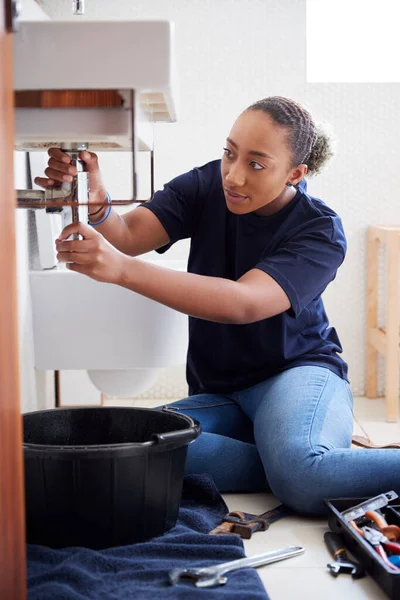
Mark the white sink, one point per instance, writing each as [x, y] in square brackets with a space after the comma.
[124, 56]
[121, 338]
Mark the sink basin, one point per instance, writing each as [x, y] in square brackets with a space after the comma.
[125, 56]
[121, 338]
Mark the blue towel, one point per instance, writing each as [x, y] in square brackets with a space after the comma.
[140, 571]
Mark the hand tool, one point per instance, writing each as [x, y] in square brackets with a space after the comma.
[245, 524]
[392, 532]
[210, 576]
[359, 510]
[380, 543]
[342, 562]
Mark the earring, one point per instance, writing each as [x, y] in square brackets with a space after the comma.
[289, 183]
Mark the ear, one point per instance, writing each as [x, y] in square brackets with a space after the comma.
[297, 174]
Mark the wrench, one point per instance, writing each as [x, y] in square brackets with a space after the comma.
[342, 563]
[210, 576]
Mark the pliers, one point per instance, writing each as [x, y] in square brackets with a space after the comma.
[392, 532]
[381, 543]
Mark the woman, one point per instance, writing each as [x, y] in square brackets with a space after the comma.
[265, 375]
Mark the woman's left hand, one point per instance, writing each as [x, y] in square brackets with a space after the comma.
[93, 256]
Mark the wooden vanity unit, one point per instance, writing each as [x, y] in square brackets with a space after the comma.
[12, 509]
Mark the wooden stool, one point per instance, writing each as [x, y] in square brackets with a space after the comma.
[383, 340]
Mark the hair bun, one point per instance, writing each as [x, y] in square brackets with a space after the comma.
[322, 150]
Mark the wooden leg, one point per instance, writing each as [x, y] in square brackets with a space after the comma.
[372, 314]
[392, 330]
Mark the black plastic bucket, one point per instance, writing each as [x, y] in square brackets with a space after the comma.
[106, 476]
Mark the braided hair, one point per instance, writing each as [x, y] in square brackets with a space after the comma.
[309, 144]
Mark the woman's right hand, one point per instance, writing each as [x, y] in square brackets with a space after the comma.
[60, 170]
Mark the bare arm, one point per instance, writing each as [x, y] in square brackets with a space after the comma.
[254, 297]
[137, 232]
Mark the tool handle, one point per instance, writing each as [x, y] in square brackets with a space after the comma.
[250, 561]
[335, 546]
[258, 559]
[377, 518]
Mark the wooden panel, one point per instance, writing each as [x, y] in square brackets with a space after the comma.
[12, 512]
[68, 99]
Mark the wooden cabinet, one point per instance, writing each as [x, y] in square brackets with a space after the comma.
[12, 510]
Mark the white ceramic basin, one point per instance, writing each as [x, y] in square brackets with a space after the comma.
[121, 338]
[125, 56]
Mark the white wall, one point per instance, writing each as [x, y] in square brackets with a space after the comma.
[233, 52]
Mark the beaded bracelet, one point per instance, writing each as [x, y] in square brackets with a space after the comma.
[107, 215]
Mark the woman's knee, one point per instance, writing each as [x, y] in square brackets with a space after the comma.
[295, 480]
[306, 499]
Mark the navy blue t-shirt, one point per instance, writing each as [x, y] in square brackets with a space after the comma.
[301, 247]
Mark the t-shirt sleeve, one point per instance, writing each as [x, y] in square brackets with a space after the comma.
[176, 206]
[308, 261]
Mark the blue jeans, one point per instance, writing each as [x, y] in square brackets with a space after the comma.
[290, 434]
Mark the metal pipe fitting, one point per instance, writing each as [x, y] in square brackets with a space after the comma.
[71, 200]
[78, 7]
[36, 199]
[78, 188]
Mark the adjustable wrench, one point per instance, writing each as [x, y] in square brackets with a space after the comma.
[210, 576]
